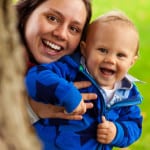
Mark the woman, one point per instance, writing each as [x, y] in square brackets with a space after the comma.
[51, 29]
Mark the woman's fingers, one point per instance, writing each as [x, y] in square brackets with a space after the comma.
[58, 112]
[89, 96]
[52, 111]
[86, 96]
[82, 84]
[89, 105]
[62, 115]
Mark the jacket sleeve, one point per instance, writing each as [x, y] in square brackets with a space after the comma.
[48, 85]
[129, 126]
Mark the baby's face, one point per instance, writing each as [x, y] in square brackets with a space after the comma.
[110, 51]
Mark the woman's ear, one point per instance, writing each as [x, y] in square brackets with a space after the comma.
[82, 47]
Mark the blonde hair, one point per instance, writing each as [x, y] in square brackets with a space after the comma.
[117, 15]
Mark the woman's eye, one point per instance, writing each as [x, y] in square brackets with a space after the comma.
[75, 29]
[53, 18]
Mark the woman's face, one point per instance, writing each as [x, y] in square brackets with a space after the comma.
[54, 29]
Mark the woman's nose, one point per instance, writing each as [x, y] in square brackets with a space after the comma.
[60, 32]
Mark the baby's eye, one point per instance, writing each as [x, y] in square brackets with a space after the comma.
[121, 55]
[103, 50]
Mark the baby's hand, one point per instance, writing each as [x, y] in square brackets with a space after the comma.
[81, 108]
[84, 105]
[106, 131]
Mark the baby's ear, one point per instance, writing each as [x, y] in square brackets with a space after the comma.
[82, 47]
[134, 60]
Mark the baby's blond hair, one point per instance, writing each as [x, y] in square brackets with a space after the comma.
[117, 15]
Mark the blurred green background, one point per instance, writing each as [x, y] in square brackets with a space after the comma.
[139, 12]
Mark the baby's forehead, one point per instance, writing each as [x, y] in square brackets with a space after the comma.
[113, 16]
[111, 20]
[117, 26]
[100, 24]
[115, 20]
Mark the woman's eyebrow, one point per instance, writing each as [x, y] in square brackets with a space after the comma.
[56, 12]
[62, 16]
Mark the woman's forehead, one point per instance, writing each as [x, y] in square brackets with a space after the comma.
[71, 9]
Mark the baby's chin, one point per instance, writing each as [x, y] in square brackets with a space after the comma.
[107, 86]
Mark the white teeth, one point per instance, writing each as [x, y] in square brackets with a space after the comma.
[52, 45]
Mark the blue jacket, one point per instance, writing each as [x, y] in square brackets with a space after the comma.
[44, 85]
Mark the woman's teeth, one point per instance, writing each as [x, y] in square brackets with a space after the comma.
[52, 45]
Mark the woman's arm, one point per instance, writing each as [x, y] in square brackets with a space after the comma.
[51, 111]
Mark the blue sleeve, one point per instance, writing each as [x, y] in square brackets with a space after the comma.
[47, 84]
[129, 126]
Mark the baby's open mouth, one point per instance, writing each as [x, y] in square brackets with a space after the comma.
[107, 71]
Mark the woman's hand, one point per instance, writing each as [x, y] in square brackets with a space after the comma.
[85, 96]
[52, 111]
[83, 106]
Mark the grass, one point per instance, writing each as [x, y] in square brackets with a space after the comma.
[139, 12]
